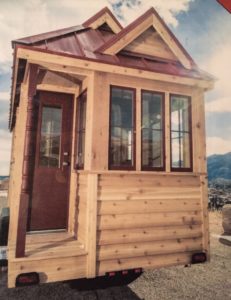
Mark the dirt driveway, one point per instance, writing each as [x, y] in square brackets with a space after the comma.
[208, 282]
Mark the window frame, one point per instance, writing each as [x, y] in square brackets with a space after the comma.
[174, 169]
[148, 168]
[121, 167]
[82, 95]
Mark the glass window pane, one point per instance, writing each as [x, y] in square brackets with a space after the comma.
[180, 132]
[81, 127]
[176, 150]
[50, 136]
[179, 113]
[121, 137]
[152, 131]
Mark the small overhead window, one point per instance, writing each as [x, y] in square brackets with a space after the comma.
[81, 130]
[50, 140]
[122, 133]
[153, 154]
[181, 133]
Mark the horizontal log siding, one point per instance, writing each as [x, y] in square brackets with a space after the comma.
[147, 220]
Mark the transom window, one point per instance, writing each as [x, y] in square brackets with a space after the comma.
[152, 148]
[122, 124]
[181, 144]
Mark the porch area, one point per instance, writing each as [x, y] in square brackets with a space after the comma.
[55, 256]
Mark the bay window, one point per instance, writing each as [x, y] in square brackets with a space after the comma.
[181, 144]
[122, 128]
[152, 131]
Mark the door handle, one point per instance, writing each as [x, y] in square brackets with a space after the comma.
[66, 163]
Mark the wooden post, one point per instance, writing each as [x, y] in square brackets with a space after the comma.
[92, 191]
[205, 215]
[27, 168]
[138, 129]
[167, 133]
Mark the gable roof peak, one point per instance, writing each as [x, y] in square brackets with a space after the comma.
[137, 27]
[104, 16]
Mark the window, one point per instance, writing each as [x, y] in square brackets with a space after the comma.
[50, 137]
[153, 154]
[81, 128]
[181, 144]
[122, 124]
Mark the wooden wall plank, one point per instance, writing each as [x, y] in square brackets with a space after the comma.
[91, 224]
[205, 215]
[81, 215]
[151, 180]
[148, 220]
[149, 84]
[136, 235]
[148, 206]
[16, 175]
[49, 270]
[100, 134]
[155, 261]
[89, 121]
[73, 174]
[143, 249]
[62, 63]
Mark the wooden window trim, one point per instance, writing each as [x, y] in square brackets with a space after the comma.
[163, 130]
[83, 94]
[133, 167]
[190, 169]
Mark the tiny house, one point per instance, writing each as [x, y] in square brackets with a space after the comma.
[108, 164]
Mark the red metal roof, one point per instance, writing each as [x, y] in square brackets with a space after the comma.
[88, 43]
[83, 42]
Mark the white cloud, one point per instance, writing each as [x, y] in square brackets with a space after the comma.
[5, 142]
[131, 9]
[219, 64]
[219, 105]
[217, 145]
[4, 96]
[28, 17]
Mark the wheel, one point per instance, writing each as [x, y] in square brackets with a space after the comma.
[4, 226]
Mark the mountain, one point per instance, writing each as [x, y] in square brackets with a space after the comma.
[219, 166]
[3, 177]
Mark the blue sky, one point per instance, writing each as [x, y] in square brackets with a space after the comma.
[202, 26]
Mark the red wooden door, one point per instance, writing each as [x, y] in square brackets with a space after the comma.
[50, 190]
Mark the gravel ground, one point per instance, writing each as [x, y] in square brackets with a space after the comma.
[208, 281]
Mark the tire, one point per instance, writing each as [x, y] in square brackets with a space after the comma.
[4, 226]
[226, 219]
